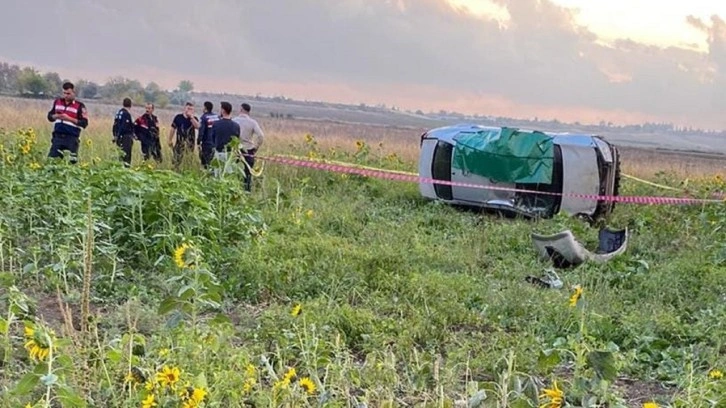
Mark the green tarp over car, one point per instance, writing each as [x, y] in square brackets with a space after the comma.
[509, 156]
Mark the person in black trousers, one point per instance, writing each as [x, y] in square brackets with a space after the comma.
[224, 130]
[69, 117]
[184, 127]
[204, 140]
[147, 131]
[123, 131]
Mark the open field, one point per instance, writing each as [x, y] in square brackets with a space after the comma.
[123, 287]
[335, 133]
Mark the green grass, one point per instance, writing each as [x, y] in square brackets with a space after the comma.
[404, 302]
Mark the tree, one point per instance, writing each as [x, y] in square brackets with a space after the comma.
[54, 81]
[152, 92]
[162, 100]
[31, 82]
[186, 86]
[9, 75]
[87, 89]
[120, 87]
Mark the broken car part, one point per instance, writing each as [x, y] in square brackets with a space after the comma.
[566, 252]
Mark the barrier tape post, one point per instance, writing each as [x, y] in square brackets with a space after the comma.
[413, 178]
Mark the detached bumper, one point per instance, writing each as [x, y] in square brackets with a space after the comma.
[566, 252]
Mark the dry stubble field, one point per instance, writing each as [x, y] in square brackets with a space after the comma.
[18, 113]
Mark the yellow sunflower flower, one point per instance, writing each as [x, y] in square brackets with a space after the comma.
[180, 255]
[555, 396]
[249, 385]
[148, 402]
[308, 385]
[36, 344]
[168, 377]
[650, 405]
[296, 310]
[715, 374]
[199, 394]
[289, 376]
[193, 397]
[576, 296]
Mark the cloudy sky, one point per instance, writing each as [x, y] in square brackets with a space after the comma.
[577, 60]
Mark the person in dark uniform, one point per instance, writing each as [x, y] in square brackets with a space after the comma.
[205, 141]
[224, 131]
[184, 126]
[123, 131]
[147, 131]
[70, 117]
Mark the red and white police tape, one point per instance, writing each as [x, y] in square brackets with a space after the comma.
[399, 176]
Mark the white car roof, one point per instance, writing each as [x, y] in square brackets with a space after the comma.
[447, 134]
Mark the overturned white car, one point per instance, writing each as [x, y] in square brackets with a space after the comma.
[511, 158]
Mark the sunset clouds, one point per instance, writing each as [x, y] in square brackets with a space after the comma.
[382, 51]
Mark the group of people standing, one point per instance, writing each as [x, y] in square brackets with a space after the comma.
[215, 132]
[145, 128]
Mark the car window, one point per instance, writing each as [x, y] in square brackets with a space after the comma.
[441, 169]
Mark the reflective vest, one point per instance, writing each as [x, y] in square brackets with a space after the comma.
[72, 110]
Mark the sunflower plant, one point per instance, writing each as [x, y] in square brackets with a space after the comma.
[19, 307]
[595, 368]
[702, 386]
[198, 290]
[169, 385]
[52, 369]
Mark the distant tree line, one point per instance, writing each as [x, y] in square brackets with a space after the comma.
[30, 83]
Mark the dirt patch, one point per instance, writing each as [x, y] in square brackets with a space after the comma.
[636, 392]
[49, 311]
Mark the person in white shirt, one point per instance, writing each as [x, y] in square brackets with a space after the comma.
[249, 128]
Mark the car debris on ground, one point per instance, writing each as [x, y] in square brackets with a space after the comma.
[566, 252]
